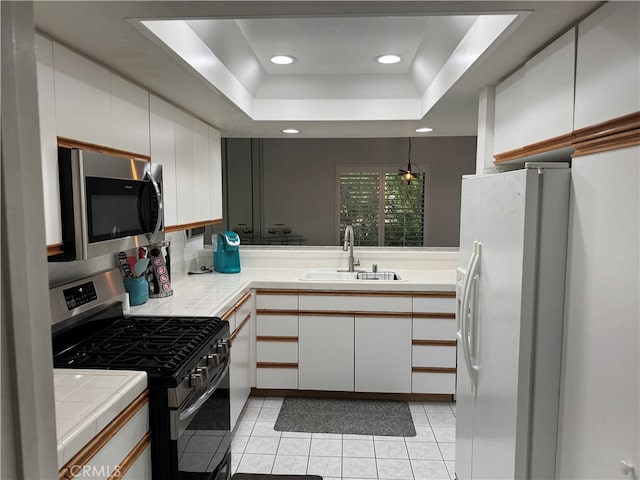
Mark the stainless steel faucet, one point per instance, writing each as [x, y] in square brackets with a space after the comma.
[348, 243]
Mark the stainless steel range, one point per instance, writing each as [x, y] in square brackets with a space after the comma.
[187, 361]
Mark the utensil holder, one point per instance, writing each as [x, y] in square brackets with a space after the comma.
[137, 288]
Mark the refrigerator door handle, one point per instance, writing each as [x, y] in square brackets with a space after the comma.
[468, 316]
[462, 283]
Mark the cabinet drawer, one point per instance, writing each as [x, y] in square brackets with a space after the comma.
[434, 356]
[277, 351]
[433, 382]
[355, 303]
[277, 378]
[434, 329]
[277, 301]
[277, 325]
[434, 304]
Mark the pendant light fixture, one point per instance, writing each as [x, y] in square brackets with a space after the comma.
[411, 172]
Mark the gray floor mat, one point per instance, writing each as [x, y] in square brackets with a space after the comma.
[361, 417]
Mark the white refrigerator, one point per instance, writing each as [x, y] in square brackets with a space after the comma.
[510, 292]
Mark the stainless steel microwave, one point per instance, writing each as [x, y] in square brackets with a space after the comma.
[108, 204]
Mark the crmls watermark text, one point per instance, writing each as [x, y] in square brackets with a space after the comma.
[95, 471]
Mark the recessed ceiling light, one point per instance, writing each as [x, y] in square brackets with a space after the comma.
[290, 130]
[424, 130]
[282, 59]
[388, 58]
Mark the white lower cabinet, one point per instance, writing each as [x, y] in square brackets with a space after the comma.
[326, 352]
[382, 354]
[241, 326]
[367, 342]
[240, 370]
[141, 468]
[433, 345]
[277, 340]
[121, 450]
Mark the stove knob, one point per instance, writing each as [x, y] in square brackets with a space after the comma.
[213, 360]
[203, 371]
[195, 380]
[224, 345]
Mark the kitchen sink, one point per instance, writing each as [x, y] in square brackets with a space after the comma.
[331, 275]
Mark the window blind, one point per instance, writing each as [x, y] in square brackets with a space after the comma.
[382, 208]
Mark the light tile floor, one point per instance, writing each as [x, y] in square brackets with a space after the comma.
[257, 448]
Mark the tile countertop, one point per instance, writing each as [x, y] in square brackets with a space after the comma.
[86, 401]
[212, 294]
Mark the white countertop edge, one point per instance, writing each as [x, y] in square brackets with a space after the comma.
[88, 425]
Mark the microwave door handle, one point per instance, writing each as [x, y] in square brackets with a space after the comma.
[156, 189]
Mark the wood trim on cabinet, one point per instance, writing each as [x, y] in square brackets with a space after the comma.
[236, 306]
[435, 294]
[236, 332]
[276, 365]
[188, 226]
[353, 313]
[128, 461]
[353, 293]
[54, 249]
[613, 134]
[629, 138]
[547, 145]
[447, 316]
[433, 370]
[266, 291]
[434, 343]
[610, 127]
[102, 438]
[268, 311]
[92, 147]
[273, 338]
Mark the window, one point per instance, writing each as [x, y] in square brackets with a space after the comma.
[382, 208]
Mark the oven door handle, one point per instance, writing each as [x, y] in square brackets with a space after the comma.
[195, 406]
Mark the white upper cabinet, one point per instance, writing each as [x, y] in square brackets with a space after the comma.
[215, 157]
[509, 113]
[548, 93]
[82, 101]
[608, 64]
[130, 116]
[185, 182]
[163, 151]
[201, 171]
[82, 98]
[48, 139]
[189, 151]
[95, 106]
[536, 102]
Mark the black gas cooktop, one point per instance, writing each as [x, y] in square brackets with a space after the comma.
[160, 346]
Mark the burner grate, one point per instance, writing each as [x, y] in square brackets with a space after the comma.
[157, 345]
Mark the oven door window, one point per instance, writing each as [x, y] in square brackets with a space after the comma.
[119, 208]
